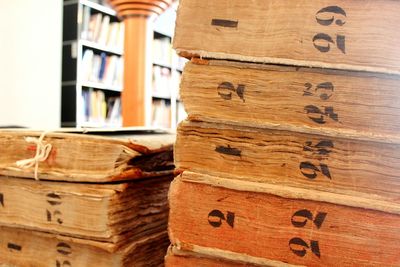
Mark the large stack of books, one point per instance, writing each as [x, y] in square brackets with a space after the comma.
[285, 164]
[96, 201]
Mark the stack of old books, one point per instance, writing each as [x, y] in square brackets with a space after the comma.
[96, 201]
[286, 164]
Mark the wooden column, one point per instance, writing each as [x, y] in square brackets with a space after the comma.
[138, 15]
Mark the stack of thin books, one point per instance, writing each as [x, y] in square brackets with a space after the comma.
[84, 200]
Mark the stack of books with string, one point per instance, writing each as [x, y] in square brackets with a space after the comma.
[284, 164]
[84, 200]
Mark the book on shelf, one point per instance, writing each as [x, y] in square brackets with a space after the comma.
[162, 51]
[114, 112]
[352, 36]
[103, 60]
[287, 229]
[102, 68]
[104, 30]
[162, 83]
[165, 82]
[86, 23]
[86, 158]
[100, 29]
[101, 109]
[88, 63]
[94, 27]
[161, 113]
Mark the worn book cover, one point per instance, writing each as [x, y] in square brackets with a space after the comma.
[112, 213]
[331, 102]
[20, 248]
[368, 170]
[354, 35]
[285, 229]
[84, 158]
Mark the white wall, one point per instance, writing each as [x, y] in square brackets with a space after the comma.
[30, 63]
[165, 23]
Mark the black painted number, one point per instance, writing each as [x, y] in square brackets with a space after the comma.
[311, 171]
[299, 247]
[299, 220]
[322, 148]
[64, 250]
[52, 213]
[323, 90]
[226, 89]
[320, 115]
[326, 17]
[323, 42]
[216, 217]
[301, 217]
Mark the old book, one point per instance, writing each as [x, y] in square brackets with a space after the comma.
[355, 35]
[112, 213]
[30, 248]
[352, 104]
[84, 158]
[209, 257]
[285, 229]
[368, 170]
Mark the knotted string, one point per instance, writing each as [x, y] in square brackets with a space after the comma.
[42, 153]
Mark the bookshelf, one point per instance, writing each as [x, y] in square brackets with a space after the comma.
[92, 65]
[166, 74]
[166, 108]
[92, 97]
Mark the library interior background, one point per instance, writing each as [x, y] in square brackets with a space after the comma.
[63, 63]
[274, 141]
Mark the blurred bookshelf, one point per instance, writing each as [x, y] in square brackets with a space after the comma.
[92, 65]
[166, 75]
[92, 68]
[167, 109]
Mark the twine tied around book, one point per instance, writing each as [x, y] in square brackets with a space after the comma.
[42, 153]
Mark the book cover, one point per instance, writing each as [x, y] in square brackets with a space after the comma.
[332, 164]
[346, 103]
[354, 35]
[85, 157]
[286, 229]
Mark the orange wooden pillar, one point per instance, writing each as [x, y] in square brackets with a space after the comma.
[138, 16]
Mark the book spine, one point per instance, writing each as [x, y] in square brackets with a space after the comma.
[317, 33]
[320, 101]
[21, 247]
[329, 164]
[103, 68]
[161, 113]
[45, 206]
[103, 57]
[293, 231]
[30, 248]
